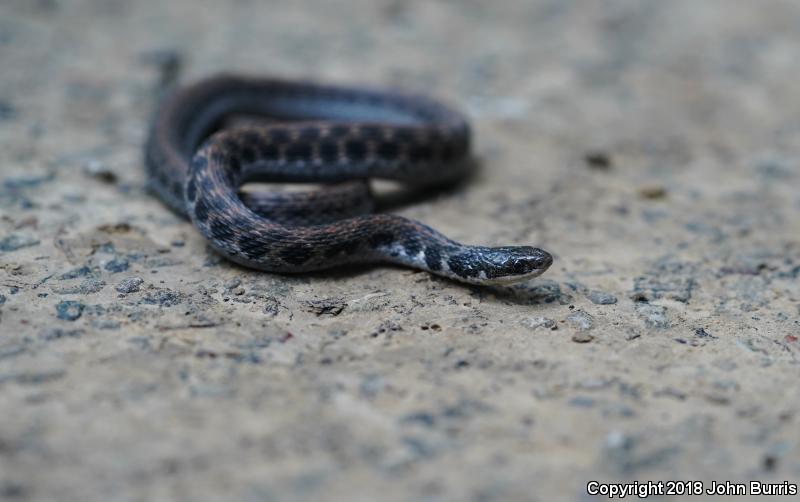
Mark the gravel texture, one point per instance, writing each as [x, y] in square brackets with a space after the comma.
[652, 147]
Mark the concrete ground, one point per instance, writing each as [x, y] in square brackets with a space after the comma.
[652, 147]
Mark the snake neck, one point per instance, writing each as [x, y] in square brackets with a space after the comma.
[418, 246]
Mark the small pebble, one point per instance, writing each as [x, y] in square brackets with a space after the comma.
[69, 310]
[14, 242]
[653, 193]
[601, 297]
[582, 402]
[100, 171]
[162, 297]
[233, 283]
[598, 160]
[328, 306]
[75, 273]
[129, 285]
[702, 333]
[117, 265]
[423, 418]
[537, 322]
[632, 334]
[580, 320]
[655, 316]
[582, 337]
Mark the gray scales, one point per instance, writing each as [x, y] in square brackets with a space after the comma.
[308, 132]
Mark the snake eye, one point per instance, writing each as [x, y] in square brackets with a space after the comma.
[520, 267]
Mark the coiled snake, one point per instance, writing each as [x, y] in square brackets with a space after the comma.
[316, 133]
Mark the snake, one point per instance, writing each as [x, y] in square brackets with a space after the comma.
[211, 138]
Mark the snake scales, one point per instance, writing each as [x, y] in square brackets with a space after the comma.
[316, 133]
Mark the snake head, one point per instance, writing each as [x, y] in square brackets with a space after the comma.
[499, 265]
[511, 264]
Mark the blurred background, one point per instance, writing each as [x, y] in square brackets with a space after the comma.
[651, 146]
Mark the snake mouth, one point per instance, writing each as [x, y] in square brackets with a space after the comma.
[515, 279]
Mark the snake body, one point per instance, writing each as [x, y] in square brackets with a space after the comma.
[325, 134]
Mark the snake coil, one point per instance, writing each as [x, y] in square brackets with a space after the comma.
[317, 133]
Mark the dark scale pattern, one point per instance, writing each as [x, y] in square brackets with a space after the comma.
[191, 190]
[230, 145]
[328, 152]
[340, 131]
[355, 150]
[308, 134]
[248, 155]
[269, 151]
[233, 165]
[428, 151]
[420, 153]
[201, 211]
[462, 265]
[219, 229]
[251, 248]
[342, 248]
[388, 150]
[371, 133]
[404, 135]
[279, 136]
[412, 246]
[447, 153]
[177, 188]
[381, 239]
[298, 152]
[296, 254]
[251, 139]
[433, 258]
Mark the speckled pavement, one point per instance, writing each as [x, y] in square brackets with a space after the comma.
[652, 147]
